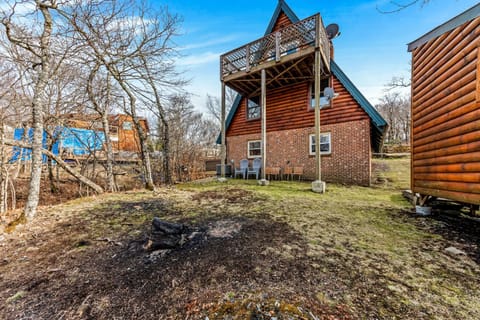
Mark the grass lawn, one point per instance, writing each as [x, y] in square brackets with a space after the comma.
[283, 252]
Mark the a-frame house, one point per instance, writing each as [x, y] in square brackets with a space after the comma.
[284, 67]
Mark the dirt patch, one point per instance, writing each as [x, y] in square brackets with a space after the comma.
[67, 190]
[239, 268]
[229, 195]
[455, 228]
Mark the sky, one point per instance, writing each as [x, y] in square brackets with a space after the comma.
[371, 49]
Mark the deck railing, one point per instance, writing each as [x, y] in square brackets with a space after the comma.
[309, 32]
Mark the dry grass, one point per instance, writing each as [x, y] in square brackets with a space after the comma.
[353, 252]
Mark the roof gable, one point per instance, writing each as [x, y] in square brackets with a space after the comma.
[282, 6]
[379, 124]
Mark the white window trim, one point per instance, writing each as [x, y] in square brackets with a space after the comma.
[310, 143]
[248, 149]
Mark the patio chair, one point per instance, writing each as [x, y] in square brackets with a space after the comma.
[272, 173]
[243, 168]
[255, 169]
[287, 173]
[297, 171]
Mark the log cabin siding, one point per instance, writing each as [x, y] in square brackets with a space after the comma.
[282, 22]
[445, 115]
[288, 108]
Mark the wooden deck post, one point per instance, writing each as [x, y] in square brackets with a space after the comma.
[247, 58]
[263, 181]
[278, 37]
[318, 185]
[223, 148]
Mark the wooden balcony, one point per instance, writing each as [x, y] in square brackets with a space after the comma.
[287, 55]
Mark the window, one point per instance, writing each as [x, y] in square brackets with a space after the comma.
[127, 125]
[325, 143]
[254, 149]
[253, 108]
[324, 102]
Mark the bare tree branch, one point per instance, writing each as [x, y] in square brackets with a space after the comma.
[399, 6]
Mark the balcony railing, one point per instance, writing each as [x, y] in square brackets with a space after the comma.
[306, 33]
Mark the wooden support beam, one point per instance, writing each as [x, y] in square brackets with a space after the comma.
[279, 75]
[247, 56]
[223, 147]
[264, 124]
[318, 161]
[278, 39]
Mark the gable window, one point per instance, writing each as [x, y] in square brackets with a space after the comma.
[325, 144]
[254, 149]
[253, 108]
[127, 125]
[324, 102]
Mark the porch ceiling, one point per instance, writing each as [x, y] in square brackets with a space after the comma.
[293, 68]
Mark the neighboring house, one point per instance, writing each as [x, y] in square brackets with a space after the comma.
[74, 141]
[123, 134]
[350, 127]
[82, 135]
[446, 110]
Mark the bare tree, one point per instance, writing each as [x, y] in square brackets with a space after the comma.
[396, 6]
[123, 36]
[214, 107]
[397, 82]
[190, 136]
[39, 46]
[395, 108]
[39, 50]
[103, 111]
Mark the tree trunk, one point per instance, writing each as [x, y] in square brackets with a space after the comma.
[166, 153]
[142, 137]
[3, 185]
[51, 177]
[103, 112]
[108, 142]
[112, 187]
[37, 114]
[166, 132]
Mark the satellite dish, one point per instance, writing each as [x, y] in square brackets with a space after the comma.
[329, 93]
[332, 31]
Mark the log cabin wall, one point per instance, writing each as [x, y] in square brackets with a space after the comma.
[127, 134]
[288, 108]
[282, 22]
[446, 115]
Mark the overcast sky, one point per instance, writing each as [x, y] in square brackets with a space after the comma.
[370, 50]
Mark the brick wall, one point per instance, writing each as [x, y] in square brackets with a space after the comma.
[349, 161]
